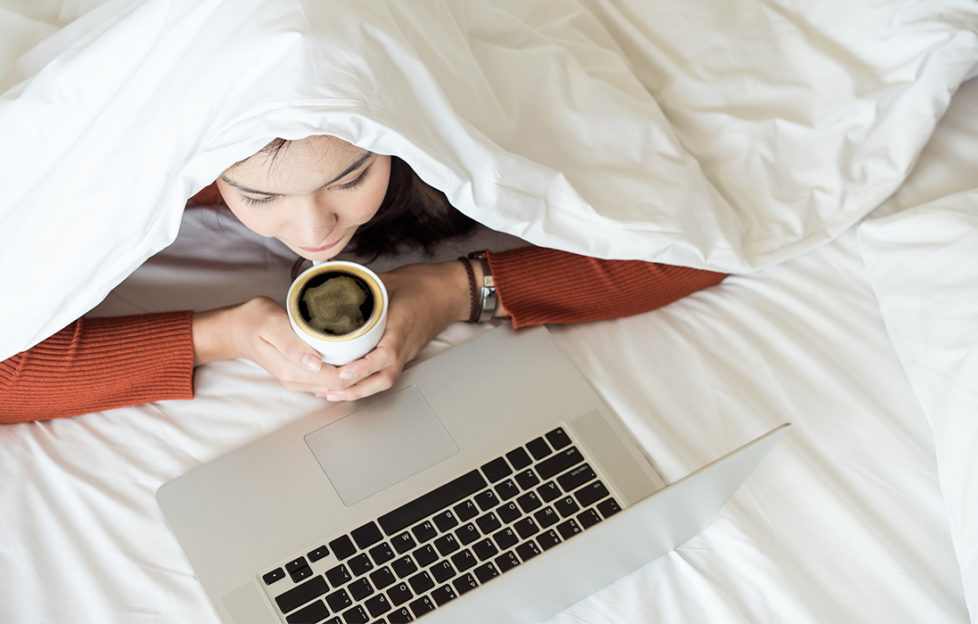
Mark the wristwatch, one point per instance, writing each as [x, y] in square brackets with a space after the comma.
[488, 300]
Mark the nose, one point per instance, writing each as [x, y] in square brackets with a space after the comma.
[313, 221]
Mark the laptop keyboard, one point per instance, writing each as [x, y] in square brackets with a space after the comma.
[448, 541]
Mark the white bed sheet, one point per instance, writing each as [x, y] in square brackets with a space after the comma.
[843, 522]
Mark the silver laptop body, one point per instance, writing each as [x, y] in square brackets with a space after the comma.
[490, 484]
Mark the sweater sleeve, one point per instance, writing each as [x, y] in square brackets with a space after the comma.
[538, 285]
[100, 363]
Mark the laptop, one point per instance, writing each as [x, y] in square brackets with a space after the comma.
[489, 484]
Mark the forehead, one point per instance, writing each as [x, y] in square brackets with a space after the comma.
[297, 167]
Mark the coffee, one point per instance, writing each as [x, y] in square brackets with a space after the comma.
[336, 303]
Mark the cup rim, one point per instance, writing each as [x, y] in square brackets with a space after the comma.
[377, 290]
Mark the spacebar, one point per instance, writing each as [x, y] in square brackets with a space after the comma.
[435, 500]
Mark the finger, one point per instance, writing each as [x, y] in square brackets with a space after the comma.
[377, 360]
[377, 382]
[292, 348]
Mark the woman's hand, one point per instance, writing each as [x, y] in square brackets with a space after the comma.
[259, 330]
[424, 300]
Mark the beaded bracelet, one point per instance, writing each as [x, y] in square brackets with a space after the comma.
[473, 289]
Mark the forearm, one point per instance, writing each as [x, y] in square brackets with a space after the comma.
[99, 364]
[537, 285]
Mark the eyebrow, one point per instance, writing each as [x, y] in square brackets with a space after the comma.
[364, 157]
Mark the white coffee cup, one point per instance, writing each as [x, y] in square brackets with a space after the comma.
[340, 349]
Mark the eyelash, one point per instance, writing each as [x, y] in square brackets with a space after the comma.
[342, 187]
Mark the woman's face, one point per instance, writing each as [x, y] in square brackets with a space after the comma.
[312, 195]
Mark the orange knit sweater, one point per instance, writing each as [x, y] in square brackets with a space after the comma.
[102, 363]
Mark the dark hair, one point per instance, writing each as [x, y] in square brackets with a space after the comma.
[411, 215]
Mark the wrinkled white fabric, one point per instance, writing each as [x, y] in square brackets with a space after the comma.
[690, 134]
[921, 252]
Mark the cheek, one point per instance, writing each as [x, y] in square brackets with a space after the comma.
[258, 219]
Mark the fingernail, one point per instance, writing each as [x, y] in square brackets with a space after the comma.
[312, 362]
[334, 396]
[347, 374]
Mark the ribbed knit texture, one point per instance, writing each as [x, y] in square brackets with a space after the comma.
[98, 364]
[539, 286]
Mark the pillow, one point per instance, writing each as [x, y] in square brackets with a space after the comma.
[922, 263]
[723, 138]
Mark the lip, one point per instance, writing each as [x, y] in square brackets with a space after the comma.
[318, 249]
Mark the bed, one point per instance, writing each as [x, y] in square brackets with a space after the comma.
[860, 327]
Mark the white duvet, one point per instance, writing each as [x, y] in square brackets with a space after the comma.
[731, 138]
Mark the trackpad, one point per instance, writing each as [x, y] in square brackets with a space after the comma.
[386, 441]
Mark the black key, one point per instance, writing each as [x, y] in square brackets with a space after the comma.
[367, 535]
[519, 458]
[509, 512]
[505, 538]
[424, 531]
[609, 507]
[338, 575]
[507, 489]
[552, 466]
[588, 518]
[403, 542]
[360, 589]
[577, 477]
[421, 582]
[549, 491]
[382, 578]
[464, 583]
[360, 564]
[445, 520]
[546, 517]
[526, 527]
[527, 478]
[338, 600]
[404, 566]
[399, 594]
[342, 547]
[425, 555]
[485, 572]
[488, 523]
[558, 438]
[463, 560]
[382, 553]
[507, 561]
[300, 574]
[421, 606]
[486, 500]
[301, 594]
[496, 469]
[484, 549]
[527, 550]
[467, 533]
[569, 528]
[275, 575]
[334, 620]
[442, 571]
[529, 501]
[432, 502]
[295, 564]
[443, 594]
[548, 539]
[566, 506]
[446, 544]
[591, 493]
[314, 612]
[400, 616]
[466, 510]
[318, 553]
[356, 615]
[538, 447]
[378, 605]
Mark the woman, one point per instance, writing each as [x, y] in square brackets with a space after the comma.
[321, 196]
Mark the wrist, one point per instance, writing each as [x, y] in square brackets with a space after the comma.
[211, 336]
